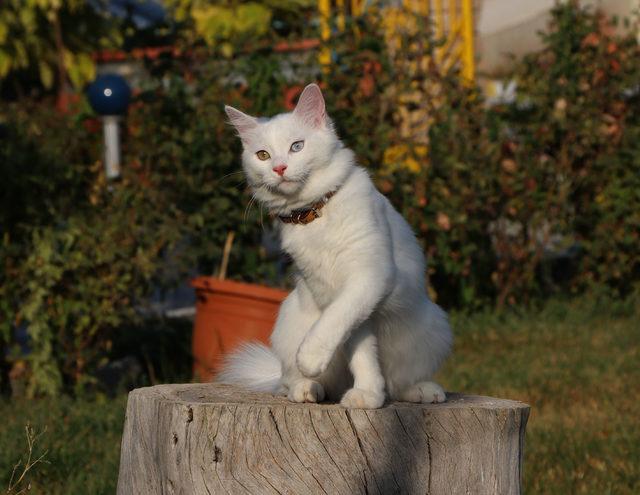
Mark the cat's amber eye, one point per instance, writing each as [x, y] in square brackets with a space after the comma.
[297, 146]
[263, 155]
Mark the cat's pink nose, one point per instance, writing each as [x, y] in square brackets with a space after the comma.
[279, 169]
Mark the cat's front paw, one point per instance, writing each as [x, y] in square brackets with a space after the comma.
[425, 392]
[312, 360]
[357, 398]
[305, 391]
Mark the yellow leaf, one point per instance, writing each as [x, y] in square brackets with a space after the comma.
[411, 164]
[4, 31]
[87, 67]
[80, 68]
[46, 74]
[27, 18]
[67, 57]
[21, 57]
[226, 49]
[5, 63]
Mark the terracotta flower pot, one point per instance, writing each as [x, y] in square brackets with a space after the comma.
[227, 314]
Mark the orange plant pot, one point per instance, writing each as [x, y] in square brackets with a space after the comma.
[227, 314]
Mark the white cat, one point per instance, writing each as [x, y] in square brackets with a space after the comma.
[359, 325]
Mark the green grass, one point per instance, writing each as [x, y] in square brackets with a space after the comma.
[81, 438]
[577, 364]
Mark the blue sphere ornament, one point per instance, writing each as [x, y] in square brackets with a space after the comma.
[109, 94]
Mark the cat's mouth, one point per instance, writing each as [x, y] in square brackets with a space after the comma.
[289, 186]
[288, 183]
[283, 185]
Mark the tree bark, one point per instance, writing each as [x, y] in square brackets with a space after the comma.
[210, 439]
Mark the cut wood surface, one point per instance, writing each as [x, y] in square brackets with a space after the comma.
[218, 439]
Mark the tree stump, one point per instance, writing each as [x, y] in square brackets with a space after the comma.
[211, 439]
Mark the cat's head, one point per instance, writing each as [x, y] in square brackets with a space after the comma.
[283, 154]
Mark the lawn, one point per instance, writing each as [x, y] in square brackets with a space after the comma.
[576, 364]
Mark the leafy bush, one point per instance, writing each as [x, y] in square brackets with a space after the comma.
[181, 144]
[580, 130]
[81, 255]
[516, 201]
[232, 26]
[78, 254]
[50, 42]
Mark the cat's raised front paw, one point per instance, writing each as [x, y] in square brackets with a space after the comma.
[305, 391]
[357, 398]
[312, 360]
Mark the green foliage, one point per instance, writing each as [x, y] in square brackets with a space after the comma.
[74, 264]
[225, 26]
[442, 172]
[574, 362]
[51, 41]
[82, 280]
[581, 129]
[181, 144]
[81, 439]
[35, 172]
[515, 201]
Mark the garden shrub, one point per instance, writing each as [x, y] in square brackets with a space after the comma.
[517, 201]
[81, 255]
[581, 128]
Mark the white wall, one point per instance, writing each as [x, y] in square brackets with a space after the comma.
[510, 27]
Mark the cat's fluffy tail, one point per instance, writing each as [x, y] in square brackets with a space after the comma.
[253, 366]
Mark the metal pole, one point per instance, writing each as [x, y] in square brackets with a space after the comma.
[111, 146]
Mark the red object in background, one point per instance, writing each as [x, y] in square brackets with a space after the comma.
[154, 52]
[68, 102]
[151, 53]
[227, 314]
[367, 83]
[297, 46]
[92, 125]
[292, 93]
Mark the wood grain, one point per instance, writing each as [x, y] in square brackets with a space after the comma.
[217, 439]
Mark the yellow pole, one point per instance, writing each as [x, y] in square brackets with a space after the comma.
[425, 7]
[453, 13]
[439, 22]
[324, 8]
[355, 8]
[468, 61]
[341, 14]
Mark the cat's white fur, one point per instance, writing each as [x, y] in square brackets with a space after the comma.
[359, 325]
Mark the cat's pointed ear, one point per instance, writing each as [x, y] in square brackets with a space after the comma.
[241, 121]
[310, 108]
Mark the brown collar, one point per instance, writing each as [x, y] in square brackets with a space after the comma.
[307, 215]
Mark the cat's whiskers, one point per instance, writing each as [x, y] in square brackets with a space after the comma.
[248, 208]
[237, 172]
[261, 216]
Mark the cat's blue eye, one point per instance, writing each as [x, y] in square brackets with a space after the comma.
[297, 146]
